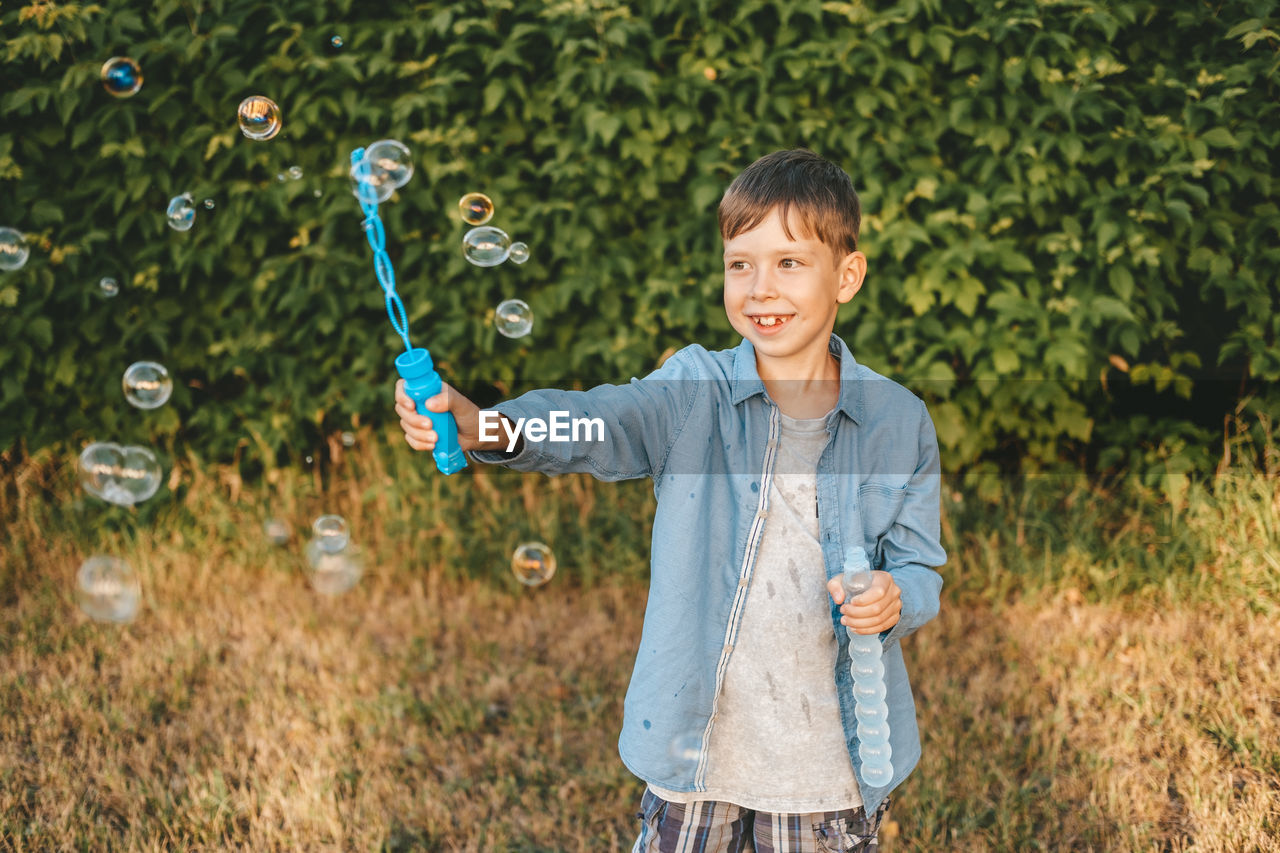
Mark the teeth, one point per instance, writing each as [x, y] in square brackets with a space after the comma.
[769, 321]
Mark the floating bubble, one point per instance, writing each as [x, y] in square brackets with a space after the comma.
[386, 166]
[486, 246]
[519, 253]
[121, 76]
[277, 531]
[108, 286]
[533, 563]
[368, 187]
[147, 384]
[513, 318]
[331, 533]
[476, 208]
[309, 460]
[316, 193]
[336, 41]
[333, 574]
[295, 173]
[107, 589]
[259, 117]
[208, 204]
[119, 475]
[181, 214]
[348, 439]
[280, 177]
[13, 249]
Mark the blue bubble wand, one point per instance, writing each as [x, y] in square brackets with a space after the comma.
[414, 364]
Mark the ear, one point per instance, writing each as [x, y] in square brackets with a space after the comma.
[851, 271]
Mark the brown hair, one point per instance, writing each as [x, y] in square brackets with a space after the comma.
[820, 191]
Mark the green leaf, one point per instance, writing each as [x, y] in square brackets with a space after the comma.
[1220, 137]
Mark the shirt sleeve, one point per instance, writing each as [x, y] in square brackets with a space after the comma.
[613, 432]
[912, 546]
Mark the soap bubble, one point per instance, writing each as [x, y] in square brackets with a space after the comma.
[181, 214]
[107, 589]
[333, 574]
[348, 439]
[476, 208]
[121, 76]
[277, 531]
[13, 249]
[533, 563]
[513, 318]
[331, 533]
[108, 286]
[280, 177]
[486, 246]
[295, 173]
[259, 117]
[147, 384]
[208, 204]
[390, 158]
[119, 475]
[519, 253]
[385, 166]
[336, 41]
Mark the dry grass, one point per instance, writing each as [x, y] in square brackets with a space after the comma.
[429, 710]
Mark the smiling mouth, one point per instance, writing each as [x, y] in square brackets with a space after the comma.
[771, 321]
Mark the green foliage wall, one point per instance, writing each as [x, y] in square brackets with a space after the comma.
[1068, 206]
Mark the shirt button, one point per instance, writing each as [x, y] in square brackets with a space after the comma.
[728, 647]
[742, 582]
[762, 515]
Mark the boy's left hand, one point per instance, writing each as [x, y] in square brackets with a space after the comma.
[870, 611]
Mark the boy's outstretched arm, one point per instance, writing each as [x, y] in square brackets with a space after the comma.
[419, 433]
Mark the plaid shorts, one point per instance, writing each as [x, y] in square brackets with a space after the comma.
[715, 827]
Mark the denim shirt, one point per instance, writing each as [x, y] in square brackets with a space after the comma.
[705, 430]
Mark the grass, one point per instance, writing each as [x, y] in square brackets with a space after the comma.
[1104, 675]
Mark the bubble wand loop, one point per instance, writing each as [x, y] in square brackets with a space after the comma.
[414, 364]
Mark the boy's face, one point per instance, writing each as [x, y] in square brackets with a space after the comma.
[782, 294]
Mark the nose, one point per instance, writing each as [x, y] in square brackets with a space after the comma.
[763, 286]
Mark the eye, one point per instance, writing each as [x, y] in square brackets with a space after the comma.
[737, 265]
[789, 263]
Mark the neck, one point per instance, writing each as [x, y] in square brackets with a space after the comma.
[804, 389]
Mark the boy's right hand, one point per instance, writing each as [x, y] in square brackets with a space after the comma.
[420, 434]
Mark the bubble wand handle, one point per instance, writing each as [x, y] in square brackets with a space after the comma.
[414, 364]
[867, 671]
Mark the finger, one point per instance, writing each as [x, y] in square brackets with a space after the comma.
[836, 589]
[438, 403]
[400, 395]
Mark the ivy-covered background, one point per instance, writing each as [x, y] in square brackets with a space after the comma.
[1073, 235]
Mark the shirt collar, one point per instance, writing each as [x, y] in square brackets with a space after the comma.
[746, 381]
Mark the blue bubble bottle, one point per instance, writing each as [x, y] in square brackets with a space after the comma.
[868, 681]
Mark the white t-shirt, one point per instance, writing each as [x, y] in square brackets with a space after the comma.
[777, 744]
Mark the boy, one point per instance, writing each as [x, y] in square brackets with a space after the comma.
[768, 460]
